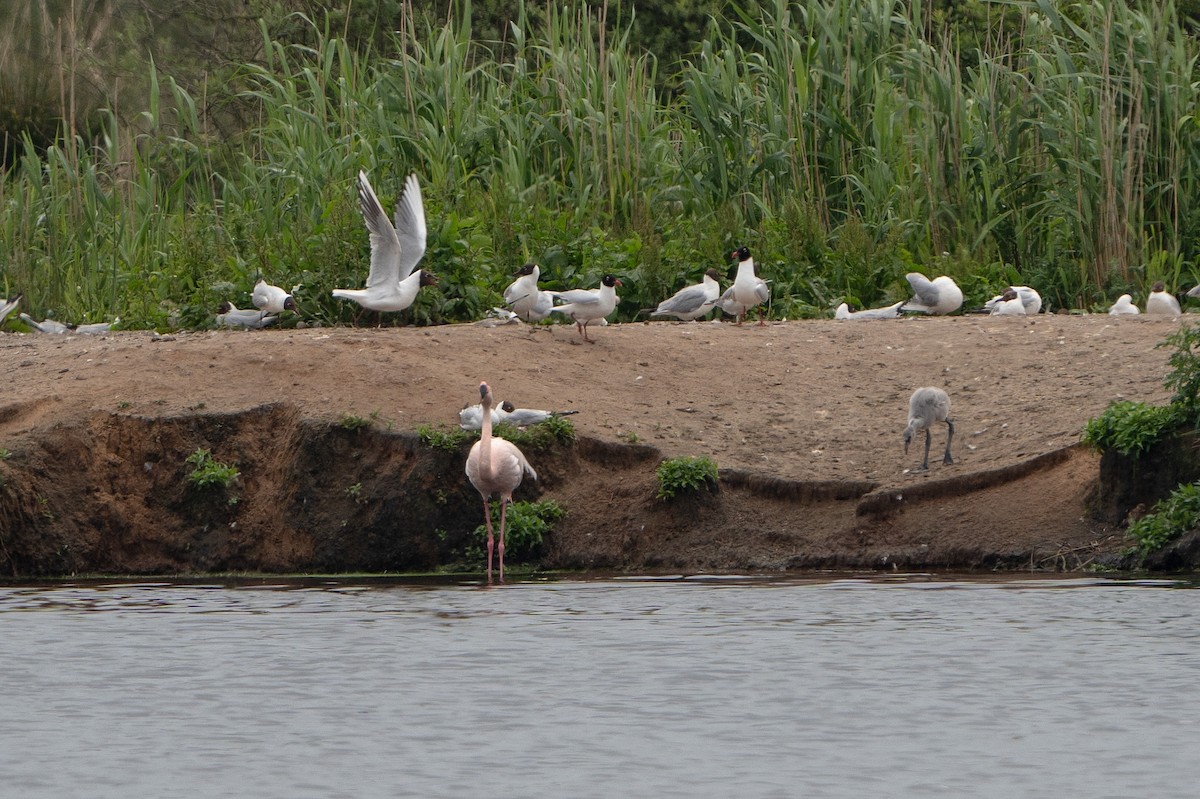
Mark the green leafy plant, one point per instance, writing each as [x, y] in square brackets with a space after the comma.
[1184, 377]
[210, 472]
[5, 454]
[351, 422]
[527, 524]
[539, 435]
[1131, 428]
[449, 440]
[679, 475]
[1170, 518]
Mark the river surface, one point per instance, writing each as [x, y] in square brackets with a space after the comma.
[915, 686]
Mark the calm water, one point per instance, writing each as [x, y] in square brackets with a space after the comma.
[633, 688]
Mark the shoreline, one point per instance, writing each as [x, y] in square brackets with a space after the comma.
[803, 419]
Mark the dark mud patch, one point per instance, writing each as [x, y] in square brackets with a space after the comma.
[111, 494]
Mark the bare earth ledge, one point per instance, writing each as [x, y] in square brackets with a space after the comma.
[804, 419]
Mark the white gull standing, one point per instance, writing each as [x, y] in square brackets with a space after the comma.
[938, 296]
[692, 302]
[747, 291]
[525, 299]
[587, 305]
[1162, 302]
[392, 285]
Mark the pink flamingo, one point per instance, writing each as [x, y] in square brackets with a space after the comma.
[495, 466]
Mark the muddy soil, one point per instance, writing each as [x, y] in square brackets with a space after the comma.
[803, 418]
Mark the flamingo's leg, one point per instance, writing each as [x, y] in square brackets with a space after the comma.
[487, 518]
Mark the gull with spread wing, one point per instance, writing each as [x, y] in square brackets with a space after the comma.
[392, 285]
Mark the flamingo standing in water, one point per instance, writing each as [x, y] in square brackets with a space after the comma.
[495, 466]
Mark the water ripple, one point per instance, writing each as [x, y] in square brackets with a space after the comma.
[911, 685]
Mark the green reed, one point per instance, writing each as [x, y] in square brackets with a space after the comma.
[843, 141]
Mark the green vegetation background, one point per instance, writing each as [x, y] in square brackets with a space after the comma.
[158, 157]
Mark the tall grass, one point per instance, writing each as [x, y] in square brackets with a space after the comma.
[836, 138]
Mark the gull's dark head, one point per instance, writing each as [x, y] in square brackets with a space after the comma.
[1159, 286]
[428, 278]
[527, 269]
[713, 273]
[741, 254]
[289, 304]
[610, 281]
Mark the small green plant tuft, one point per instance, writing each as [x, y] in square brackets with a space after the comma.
[680, 475]
[538, 436]
[1170, 518]
[209, 472]
[449, 440]
[5, 454]
[1184, 377]
[527, 524]
[1131, 428]
[353, 423]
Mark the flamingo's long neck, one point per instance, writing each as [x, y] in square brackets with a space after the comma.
[485, 436]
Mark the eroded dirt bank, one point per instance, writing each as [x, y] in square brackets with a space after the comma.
[804, 418]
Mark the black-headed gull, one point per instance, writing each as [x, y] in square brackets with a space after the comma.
[889, 312]
[523, 417]
[495, 466]
[229, 315]
[46, 325]
[471, 416]
[8, 306]
[926, 407]
[587, 305]
[1008, 304]
[523, 296]
[95, 328]
[1162, 302]
[1123, 307]
[747, 290]
[272, 299]
[392, 285]
[1030, 299]
[694, 301]
[938, 296]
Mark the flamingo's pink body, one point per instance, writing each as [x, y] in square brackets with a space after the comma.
[495, 466]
